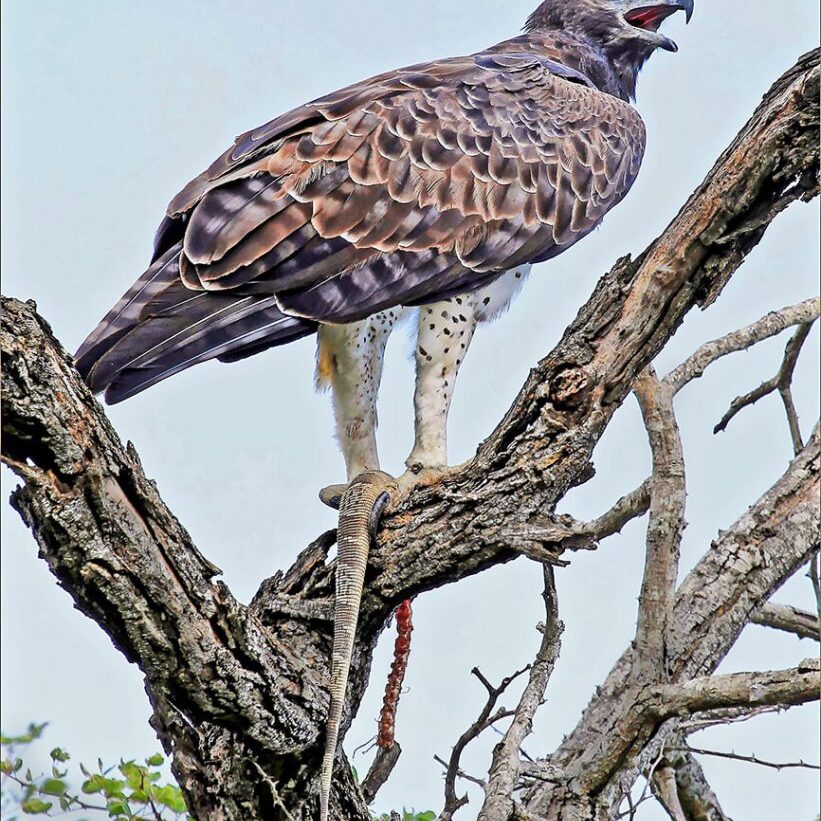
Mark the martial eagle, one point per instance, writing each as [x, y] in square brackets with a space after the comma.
[431, 188]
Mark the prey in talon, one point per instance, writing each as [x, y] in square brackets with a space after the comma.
[360, 510]
[424, 194]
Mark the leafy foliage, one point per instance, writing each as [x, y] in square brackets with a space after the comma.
[127, 791]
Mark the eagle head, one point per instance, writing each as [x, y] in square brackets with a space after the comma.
[624, 32]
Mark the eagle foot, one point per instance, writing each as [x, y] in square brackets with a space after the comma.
[418, 476]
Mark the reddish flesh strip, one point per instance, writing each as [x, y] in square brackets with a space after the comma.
[401, 651]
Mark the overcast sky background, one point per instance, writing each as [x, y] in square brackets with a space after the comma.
[110, 107]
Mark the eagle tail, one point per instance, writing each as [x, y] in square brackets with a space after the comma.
[160, 328]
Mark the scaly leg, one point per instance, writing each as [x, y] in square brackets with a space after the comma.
[349, 360]
[445, 331]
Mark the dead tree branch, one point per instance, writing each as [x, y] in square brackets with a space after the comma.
[751, 759]
[787, 618]
[628, 507]
[486, 719]
[623, 725]
[782, 688]
[505, 766]
[693, 799]
[666, 524]
[814, 574]
[804, 314]
[781, 382]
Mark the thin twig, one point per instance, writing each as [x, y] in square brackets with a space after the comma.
[506, 764]
[146, 788]
[272, 787]
[785, 377]
[781, 382]
[486, 718]
[645, 794]
[751, 759]
[723, 717]
[814, 574]
[773, 323]
[461, 773]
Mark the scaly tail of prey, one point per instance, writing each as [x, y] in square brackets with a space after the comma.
[359, 512]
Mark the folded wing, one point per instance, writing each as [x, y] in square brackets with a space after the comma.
[422, 182]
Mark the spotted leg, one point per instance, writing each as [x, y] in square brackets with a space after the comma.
[444, 334]
[349, 361]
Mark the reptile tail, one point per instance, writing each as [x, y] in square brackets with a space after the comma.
[362, 503]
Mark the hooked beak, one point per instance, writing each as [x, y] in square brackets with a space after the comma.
[687, 7]
[650, 17]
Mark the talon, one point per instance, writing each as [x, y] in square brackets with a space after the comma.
[424, 476]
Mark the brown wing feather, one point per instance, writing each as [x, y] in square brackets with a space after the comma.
[411, 184]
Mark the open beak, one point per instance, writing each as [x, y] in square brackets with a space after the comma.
[650, 17]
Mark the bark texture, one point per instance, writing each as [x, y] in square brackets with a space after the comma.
[240, 694]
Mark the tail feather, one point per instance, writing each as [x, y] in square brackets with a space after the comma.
[265, 328]
[122, 318]
[160, 327]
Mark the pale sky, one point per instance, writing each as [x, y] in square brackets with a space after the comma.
[110, 107]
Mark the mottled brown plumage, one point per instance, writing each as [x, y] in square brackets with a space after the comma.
[415, 184]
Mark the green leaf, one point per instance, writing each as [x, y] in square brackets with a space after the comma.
[58, 754]
[135, 775]
[36, 730]
[6, 766]
[35, 806]
[118, 806]
[155, 760]
[109, 787]
[169, 796]
[33, 732]
[53, 786]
